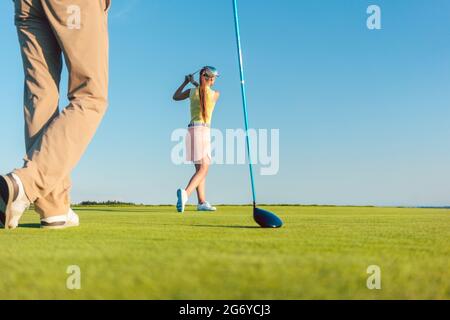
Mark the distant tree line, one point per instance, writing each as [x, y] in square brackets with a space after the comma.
[106, 203]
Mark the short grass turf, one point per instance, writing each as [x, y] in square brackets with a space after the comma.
[156, 253]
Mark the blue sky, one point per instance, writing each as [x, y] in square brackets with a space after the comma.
[363, 115]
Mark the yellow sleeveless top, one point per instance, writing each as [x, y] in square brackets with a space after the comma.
[196, 113]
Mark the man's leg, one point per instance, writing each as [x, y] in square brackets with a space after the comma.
[42, 63]
[56, 152]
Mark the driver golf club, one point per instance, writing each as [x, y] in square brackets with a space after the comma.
[262, 217]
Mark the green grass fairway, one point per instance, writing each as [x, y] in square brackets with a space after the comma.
[156, 253]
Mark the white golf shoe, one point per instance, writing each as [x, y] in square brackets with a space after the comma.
[205, 206]
[19, 205]
[71, 219]
[182, 200]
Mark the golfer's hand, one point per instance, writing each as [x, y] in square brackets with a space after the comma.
[188, 78]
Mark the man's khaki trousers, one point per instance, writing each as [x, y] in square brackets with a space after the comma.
[49, 30]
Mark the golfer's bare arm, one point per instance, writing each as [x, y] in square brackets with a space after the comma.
[180, 94]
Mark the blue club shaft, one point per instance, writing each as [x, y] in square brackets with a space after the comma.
[244, 96]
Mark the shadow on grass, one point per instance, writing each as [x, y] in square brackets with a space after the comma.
[116, 210]
[223, 226]
[30, 225]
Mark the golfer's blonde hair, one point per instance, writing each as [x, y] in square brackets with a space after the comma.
[202, 95]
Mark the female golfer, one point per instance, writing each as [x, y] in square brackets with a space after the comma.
[198, 139]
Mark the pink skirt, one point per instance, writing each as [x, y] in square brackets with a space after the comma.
[198, 144]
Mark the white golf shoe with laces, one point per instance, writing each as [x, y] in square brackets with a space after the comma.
[205, 206]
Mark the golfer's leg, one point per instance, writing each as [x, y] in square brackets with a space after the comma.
[201, 188]
[201, 193]
[197, 178]
[85, 48]
[42, 62]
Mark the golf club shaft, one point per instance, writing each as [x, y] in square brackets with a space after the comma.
[244, 97]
